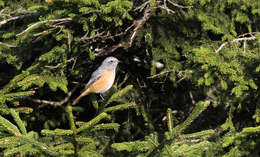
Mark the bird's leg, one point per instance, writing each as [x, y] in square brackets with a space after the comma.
[100, 94]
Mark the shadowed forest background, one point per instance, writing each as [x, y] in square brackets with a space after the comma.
[187, 84]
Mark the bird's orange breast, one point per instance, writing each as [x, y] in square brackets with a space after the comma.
[103, 83]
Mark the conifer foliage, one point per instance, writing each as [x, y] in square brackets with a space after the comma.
[187, 85]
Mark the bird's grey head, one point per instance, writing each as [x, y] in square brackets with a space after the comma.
[110, 63]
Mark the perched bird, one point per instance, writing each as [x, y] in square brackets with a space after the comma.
[102, 79]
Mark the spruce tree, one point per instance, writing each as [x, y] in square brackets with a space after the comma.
[187, 84]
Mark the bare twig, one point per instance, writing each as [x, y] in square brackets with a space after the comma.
[98, 35]
[221, 46]
[165, 7]
[162, 73]
[17, 18]
[45, 31]
[247, 34]
[104, 35]
[142, 6]
[178, 5]
[137, 24]
[55, 103]
[244, 46]
[60, 64]
[192, 99]
[125, 79]
[241, 38]
[42, 22]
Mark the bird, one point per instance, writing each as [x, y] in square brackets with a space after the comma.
[102, 79]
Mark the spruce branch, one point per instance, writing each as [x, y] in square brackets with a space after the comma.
[12, 96]
[141, 146]
[64, 146]
[6, 111]
[42, 146]
[108, 126]
[200, 106]
[10, 127]
[18, 121]
[26, 110]
[57, 132]
[204, 133]
[170, 120]
[23, 149]
[84, 140]
[120, 93]
[120, 107]
[10, 141]
[13, 83]
[7, 45]
[73, 128]
[92, 122]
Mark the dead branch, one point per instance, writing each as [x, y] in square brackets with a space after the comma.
[60, 64]
[240, 38]
[137, 24]
[178, 5]
[55, 103]
[42, 22]
[142, 6]
[162, 73]
[6, 21]
[47, 31]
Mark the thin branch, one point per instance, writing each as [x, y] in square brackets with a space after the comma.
[244, 46]
[192, 98]
[124, 81]
[246, 34]
[42, 22]
[55, 103]
[165, 7]
[137, 24]
[142, 6]
[17, 18]
[238, 39]
[162, 73]
[221, 46]
[60, 64]
[45, 31]
[178, 5]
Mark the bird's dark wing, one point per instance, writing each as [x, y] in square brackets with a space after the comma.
[94, 77]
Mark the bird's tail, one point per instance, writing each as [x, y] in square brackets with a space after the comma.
[79, 97]
[76, 100]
